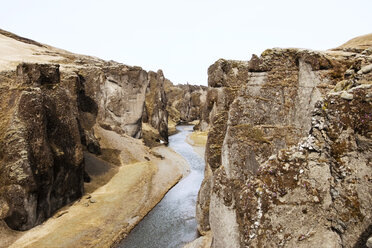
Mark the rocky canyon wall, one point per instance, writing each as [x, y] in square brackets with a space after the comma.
[288, 157]
[41, 156]
[155, 112]
[49, 109]
[186, 103]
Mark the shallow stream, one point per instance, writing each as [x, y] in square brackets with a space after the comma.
[172, 222]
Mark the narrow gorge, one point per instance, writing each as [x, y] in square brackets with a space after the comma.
[89, 148]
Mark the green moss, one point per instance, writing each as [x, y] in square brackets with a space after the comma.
[247, 131]
[267, 52]
[338, 149]
[352, 209]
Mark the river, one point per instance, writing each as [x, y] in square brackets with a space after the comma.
[172, 222]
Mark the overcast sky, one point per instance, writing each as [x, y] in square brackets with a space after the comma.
[184, 37]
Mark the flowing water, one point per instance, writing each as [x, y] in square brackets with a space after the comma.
[172, 222]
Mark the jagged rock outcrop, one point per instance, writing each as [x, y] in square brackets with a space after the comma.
[289, 150]
[155, 112]
[185, 102]
[50, 107]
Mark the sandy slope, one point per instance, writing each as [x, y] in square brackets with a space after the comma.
[106, 215]
[198, 140]
[14, 50]
[360, 42]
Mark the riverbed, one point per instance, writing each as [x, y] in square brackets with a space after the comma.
[172, 222]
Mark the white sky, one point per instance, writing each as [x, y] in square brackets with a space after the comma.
[184, 37]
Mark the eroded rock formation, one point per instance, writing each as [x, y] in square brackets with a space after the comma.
[289, 150]
[155, 112]
[185, 102]
[49, 109]
[41, 155]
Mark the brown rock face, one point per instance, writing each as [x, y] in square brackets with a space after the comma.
[41, 155]
[113, 95]
[48, 114]
[289, 149]
[185, 102]
[155, 112]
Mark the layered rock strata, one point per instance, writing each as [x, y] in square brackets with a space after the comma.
[289, 150]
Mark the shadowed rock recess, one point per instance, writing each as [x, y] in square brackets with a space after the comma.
[289, 151]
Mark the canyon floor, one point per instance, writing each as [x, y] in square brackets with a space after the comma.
[107, 214]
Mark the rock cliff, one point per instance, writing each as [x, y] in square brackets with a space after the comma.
[288, 157]
[155, 113]
[185, 102]
[50, 106]
[41, 155]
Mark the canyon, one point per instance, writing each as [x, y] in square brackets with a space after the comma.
[287, 156]
[73, 131]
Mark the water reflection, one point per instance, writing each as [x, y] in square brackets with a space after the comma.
[172, 222]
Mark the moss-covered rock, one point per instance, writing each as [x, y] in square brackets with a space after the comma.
[185, 103]
[41, 155]
[288, 153]
[155, 112]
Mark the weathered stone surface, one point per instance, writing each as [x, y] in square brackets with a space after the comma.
[37, 74]
[228, 78]
[365, 69]
[41, 155]
[369, 242]
[48, 114]
[155, 112]
[113, 96]
[347, 96]
[287, 155]
[185, 102]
